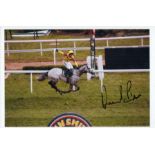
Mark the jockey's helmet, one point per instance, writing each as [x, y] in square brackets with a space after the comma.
[70, 52]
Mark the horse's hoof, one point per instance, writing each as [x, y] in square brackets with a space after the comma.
[59, 92]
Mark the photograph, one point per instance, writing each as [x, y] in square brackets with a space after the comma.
[77, 77]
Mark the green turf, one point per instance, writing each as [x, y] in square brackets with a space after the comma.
[39, 108]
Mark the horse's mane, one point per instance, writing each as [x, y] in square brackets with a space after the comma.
[82, 66]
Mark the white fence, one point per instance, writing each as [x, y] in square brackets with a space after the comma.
[78, 39]
[74, 47]
[31, 72]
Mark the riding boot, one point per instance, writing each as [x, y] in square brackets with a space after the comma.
[68, 74]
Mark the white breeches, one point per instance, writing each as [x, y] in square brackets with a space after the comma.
[68, 65]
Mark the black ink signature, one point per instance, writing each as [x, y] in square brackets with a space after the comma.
[129, 95]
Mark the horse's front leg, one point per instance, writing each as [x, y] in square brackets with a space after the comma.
[75, 87]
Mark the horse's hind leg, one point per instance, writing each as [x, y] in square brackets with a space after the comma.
[53, 85]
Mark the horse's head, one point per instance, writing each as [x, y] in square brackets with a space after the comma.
[85, 69]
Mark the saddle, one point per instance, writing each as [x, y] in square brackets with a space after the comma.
[68, 73]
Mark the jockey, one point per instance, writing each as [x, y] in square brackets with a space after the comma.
[67, 57]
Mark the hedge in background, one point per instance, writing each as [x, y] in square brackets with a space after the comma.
[44, 67]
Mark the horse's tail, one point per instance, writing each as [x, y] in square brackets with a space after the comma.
[42, 77]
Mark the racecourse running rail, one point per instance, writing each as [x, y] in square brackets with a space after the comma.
[31, 72]
[74, 48]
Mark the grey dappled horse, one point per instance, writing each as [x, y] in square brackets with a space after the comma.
[56, 74]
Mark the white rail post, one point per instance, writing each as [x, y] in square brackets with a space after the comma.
[100, 67]
[88, 60]
[31, 83]
[54, 56]
[142, 42]
[41, 48]
[74, 47]
[7, 48]
[101, 85]
[107, 43]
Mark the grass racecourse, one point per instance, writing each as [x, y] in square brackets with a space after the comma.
[38, 109]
